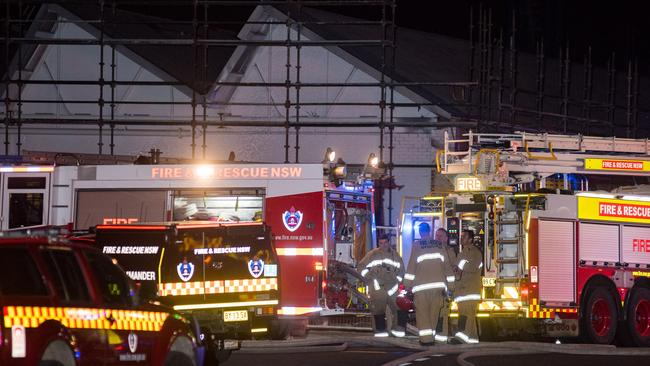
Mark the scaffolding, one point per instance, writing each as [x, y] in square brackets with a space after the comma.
[493, 96]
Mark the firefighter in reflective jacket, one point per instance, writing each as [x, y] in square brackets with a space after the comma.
[468, 288]
[426, 273]
[383, 270]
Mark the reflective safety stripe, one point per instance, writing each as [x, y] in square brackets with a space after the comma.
[379, 262]
[398, 333]
[376, 285]
[462, 263]
[84, 318]
[468, 297]
[217, 287]
[430, 256]
[427, 286]
[409, 277]
[426, 332]
[399, 278]
[480, 265]
[451, 279]
[393, 290]
[364, 272]
[381, 334]
[441, 338]
[465, 338]
[299, 251]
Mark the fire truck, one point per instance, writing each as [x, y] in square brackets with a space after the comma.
[560, 259]
[320, 216]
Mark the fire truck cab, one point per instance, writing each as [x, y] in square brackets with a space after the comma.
[559, 261]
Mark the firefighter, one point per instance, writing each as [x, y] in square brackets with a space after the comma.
[426, 274]
[451, 255]
[468, 288]
[383, 270]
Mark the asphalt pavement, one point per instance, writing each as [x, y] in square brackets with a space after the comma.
[360, 349]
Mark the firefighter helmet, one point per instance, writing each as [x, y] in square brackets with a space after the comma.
[404, 301]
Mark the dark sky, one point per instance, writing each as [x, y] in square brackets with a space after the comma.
[622, 26]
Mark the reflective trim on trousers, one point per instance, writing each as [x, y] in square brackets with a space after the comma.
[381, 334]
[465, 338]
[468, 297]
[462, 263]
[409, 277]
[427, 286]
[375, 283]
[451, 279]
[426, 332]
[364, 272]
[393, 290]
[441, 338]
[399, 278]
[398, 333]
[429, 256]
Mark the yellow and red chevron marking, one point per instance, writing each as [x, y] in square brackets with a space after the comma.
[84, 318]
[217, 287]
[537, 311]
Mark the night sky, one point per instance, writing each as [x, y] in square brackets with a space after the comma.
[621, 26]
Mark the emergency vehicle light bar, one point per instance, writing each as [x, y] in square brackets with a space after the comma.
[26, 169]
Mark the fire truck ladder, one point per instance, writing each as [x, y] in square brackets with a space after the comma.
[538, 155]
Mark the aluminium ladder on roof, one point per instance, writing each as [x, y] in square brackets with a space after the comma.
[517, 148]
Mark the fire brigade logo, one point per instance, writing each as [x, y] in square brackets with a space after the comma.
[292, 219]
[133, 342]
[185, 270]
[256, 267]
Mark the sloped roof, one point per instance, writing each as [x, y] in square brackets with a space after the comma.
[176, 61]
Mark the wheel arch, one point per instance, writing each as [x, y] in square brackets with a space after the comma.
[600, 281]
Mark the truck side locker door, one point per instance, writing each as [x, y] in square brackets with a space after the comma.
[77, 305]
[131, 335]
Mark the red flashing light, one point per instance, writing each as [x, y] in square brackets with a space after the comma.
[318, 266]
[323, 285]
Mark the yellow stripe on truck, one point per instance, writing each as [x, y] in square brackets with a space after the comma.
[84, 318]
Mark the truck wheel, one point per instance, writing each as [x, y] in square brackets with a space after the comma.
[279, 329]
[637, 324]
[599, 318]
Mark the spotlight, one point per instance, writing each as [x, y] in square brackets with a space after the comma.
[373, 160]
[330, 156]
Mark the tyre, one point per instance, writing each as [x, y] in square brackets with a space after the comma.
[637, 324]
[279, 329]
[599, 318]
[175, 358]
[57, 353]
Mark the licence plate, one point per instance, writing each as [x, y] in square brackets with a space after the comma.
[235, 316]
[489, 281]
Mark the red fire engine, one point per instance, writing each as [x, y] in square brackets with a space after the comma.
[559, 259]
[317, 225]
